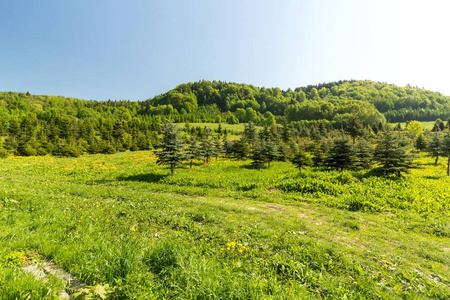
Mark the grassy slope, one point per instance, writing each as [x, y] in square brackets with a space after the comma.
[120, 220]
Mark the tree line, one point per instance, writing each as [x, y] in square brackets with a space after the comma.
[390, 151]
[40, 125]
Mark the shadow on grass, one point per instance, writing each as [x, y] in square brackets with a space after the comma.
[433, 177]
[150, 177]
[379, 173]
[254, 167]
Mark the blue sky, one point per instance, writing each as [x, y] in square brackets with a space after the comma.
[137, 49]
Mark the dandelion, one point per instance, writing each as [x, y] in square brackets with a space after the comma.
[133, 229]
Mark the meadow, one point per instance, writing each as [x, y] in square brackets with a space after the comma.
[223, 230]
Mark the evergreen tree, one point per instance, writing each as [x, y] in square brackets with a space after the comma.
[398, 127]
[341, 155]
[206, 146]
[193, 151]
[227, 146]
[420, 143]
[270, 151]
[258, 157]
[392, 154]
[354, 127]
[320, 152]
[240, 149]
[172, 148]
[285, 132]
[445, 148]
[302, 159]
[250, 133]
[434, 148]
[217, 147]
[362, 154]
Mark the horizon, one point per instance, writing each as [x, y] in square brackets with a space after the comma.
[134, 51]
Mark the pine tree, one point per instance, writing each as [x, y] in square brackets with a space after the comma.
[227, 146]
[392, 154]
[302, 159]
[258, 157]
[172, 147]
[445, 148]
[341, 155]
[362, 154]
[250, 133]
[421, 142]
[434, 148]
[320, 152]
[240, 149]
[206, 146]
[270, 152]
[354, 127]
[193, 151]
[285, 132]
[217, 147]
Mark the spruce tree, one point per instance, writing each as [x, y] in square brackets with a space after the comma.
[240, 149]
[193, 151]
[270, 151]
[250, 133]
[392, 154]
[227, 146]
[421, 142]
[354, 127]
[302, 159]
[171, 148]
[258, 157]
[341, 155]
[362, 154]
[445, 148]
[434, 148]
[206, 146]
[285, 132]
[320, 152]
[217, 147]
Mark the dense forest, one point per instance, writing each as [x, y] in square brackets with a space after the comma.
[39, 125]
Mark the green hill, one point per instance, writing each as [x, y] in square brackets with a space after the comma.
[373, 101]
[41, 124]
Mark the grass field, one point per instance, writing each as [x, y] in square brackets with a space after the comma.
[427, 125]
[223, 231]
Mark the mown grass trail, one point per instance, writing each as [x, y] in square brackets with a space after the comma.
[224, 230]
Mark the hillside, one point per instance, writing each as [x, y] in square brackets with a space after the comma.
[374, 102]
[38, 125]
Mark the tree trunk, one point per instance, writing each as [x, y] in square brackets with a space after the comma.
[268, 164]
[436, 160]
[171, 169]
[448, 166]
[190, 165]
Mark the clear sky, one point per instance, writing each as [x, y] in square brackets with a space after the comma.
[135, 49]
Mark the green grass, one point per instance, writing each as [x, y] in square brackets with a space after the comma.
[427, 125]
[224, 230]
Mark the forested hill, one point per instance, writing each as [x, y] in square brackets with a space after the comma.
[373, 102]
[31, 124]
